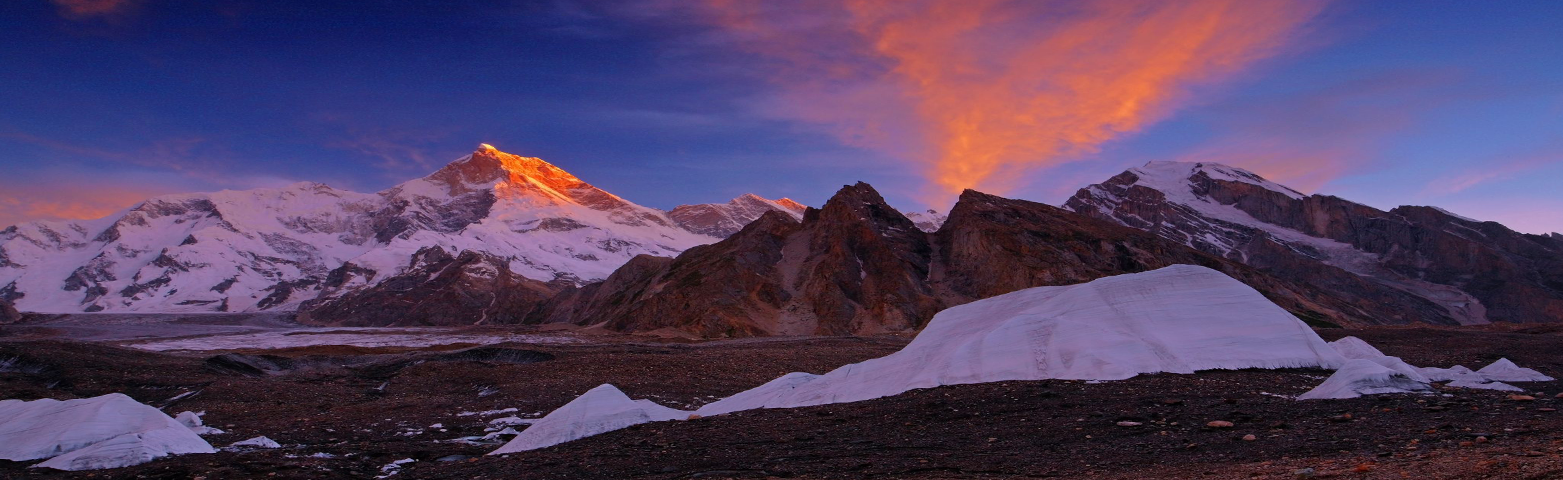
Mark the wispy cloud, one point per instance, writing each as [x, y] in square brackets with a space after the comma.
[79, 9]
[80, 195]
[1308, 138]
[1494, 171]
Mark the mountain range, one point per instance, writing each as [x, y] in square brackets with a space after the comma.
[269, 249]
[499, 238]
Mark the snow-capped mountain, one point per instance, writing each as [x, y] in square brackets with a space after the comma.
[273, 248]
[927, 220]
[724, 219]
[1409, 264]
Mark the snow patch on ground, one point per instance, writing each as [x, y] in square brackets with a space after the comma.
[257, 442]
[109, 431]
[1364, 377]
[1361, 380]
[1178, 319]
[601, 409]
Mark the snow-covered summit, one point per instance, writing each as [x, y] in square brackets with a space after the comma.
[1170, 177]
[724, 219]
[1377, 259]
[273, 248]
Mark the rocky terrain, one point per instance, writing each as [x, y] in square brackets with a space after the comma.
[859, 267]
[349, 412]
[471, 288]
[8, 313]
[1409, 264]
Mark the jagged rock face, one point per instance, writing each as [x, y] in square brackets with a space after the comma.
[857, 266]
[722, 220]
[8, 313]
[993, 245]
[470, 288]
[272, 249]
[1411, 264]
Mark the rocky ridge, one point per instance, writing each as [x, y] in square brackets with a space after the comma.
[1409, 264]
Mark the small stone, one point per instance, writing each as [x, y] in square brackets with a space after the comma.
[1481, 439]
[1249, 438]
[1127, 423]
[1219, 424]
[1521, 398]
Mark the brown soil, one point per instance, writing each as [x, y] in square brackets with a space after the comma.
[1001, 430]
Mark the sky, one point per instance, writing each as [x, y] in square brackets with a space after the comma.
[1458, 104]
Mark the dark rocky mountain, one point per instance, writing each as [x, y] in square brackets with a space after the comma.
[470, 288]
[1409, 264]
[858, 266]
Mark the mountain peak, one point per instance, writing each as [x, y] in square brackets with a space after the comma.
[1171, 177]
[489, 168]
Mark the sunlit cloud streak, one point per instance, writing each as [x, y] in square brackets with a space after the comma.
[91, 8]
[982, 91]
[1495, 171]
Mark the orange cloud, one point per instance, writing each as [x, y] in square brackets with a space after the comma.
[90, 8]
[982, 90]
[74, 201]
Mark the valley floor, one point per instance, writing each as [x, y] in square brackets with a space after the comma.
[348, 411]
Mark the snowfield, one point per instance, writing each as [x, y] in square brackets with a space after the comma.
[110, 431]
[1178, 319]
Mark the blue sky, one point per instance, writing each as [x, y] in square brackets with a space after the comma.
[105, 102]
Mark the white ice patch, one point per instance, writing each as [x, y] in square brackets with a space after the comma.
[109, 431]
[1504, 370]
[1458, 376]
[1177, 319]
[1364, 377]
[192, 420]
[601, 409]
[257, 442]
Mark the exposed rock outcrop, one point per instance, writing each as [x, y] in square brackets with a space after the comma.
[470, 288]
[857, 266]
[8, 313]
